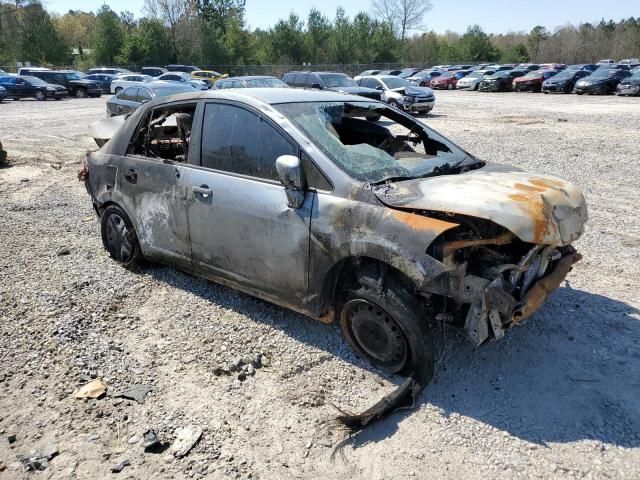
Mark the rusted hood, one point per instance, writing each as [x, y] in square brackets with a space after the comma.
[536, 208]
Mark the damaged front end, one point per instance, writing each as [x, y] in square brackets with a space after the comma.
[497, 281]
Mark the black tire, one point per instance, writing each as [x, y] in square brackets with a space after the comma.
[119, 237]
[57, 98]
[81, 93]
[117, 90]
[41, 95]
[449, 86]
[374, 118]
[388, 326]
[476, 88]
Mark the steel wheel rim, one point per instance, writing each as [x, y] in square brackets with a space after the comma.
[117, 236]
[80, 93]
[39, 95]
[377, 334]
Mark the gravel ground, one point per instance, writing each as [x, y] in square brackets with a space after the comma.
[558, 397]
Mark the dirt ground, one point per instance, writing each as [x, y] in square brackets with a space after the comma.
[559, 397]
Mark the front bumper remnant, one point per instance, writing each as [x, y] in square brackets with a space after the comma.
[498, 310]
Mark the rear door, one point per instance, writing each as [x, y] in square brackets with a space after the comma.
[241, 228]
[152, 182]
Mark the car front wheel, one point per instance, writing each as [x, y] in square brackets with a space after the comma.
[81, 93]
[389, 326]
[117, 90]
[41, 95]
[119, 237]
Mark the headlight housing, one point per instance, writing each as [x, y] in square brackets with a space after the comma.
[408, 99]
[51, 89]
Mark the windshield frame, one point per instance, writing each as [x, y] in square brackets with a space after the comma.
[335, 76]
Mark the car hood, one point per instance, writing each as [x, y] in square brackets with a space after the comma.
[539, 209]
[631, 81]
[530, 79]
[553, 80]
[354, 90]
[56, 86]
[87, 83]
[593, 81]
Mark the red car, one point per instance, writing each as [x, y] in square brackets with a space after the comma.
[532, 81]
[448, 80]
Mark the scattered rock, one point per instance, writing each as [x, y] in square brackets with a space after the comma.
[151, 440]
[63, 251]
[189, 359]
[38, 459]
[120, 466]
[134, 392]
[11, 438]
[186, 438]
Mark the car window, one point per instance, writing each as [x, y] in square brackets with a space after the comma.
[288, 78]
[143, 95]
[300, 80]
[314, 177]
[129, 95]
[227, 147]
[237, 84]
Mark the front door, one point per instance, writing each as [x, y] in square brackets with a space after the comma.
[240, 225]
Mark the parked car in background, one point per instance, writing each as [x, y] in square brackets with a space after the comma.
[249, 81]
[455, 68]
[603, 81]
[400, 93]
[394, 73]
[501, 81]
[408, 72]
[366, 73]
[605, 61]
[129, 99]
[528, 66]
[182, 68]
[154, 72]
[208, 76]
[337, 82]
[553, 66]
[472, 81]
[28, 70]
[182, 77]
[125, 81]
[74, 82]
[588, 67]
[424, 77]
[25, 86]
[630, 85]
[109, 70]
[102, 79]
[449, 80]
[500, 68]
[3, 93]
[532, 81]
[564, 81]
[630, 61]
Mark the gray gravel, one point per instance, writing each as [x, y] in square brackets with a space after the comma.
[558, 397]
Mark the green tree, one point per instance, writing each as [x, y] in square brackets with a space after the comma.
[108, 36]
[474, 46]
[537, 35]
[40, 42]
[318, 34]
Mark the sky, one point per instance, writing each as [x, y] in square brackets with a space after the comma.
[494, 16]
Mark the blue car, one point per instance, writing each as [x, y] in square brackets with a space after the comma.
[3, 93]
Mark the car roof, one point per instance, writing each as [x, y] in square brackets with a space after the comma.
[384, 77]
[250, 77]
[272, 96]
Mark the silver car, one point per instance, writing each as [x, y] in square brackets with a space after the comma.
[294, 197]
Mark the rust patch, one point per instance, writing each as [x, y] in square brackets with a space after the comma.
[422, 223]
[530, 188]
[451, 247]
[533, 204]
[544, 287]
[547, 183]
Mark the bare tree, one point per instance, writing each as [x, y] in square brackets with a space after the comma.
[402, 15]
[172, 13]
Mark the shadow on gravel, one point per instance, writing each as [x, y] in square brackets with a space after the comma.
[570, 373]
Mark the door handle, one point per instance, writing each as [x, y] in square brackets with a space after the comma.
[203, 191]
[131, 176]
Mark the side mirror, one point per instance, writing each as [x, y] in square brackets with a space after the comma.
[290, 175]
[316, 86]
[379, 87]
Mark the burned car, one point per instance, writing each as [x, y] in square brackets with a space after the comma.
[295, 197]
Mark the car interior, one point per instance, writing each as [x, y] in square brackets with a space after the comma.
[164, 133]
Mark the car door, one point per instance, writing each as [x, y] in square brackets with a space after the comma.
[240, 226]
[154, 187]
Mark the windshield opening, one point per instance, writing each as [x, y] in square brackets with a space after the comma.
[395, 147]
[337, 80]
[35, 81]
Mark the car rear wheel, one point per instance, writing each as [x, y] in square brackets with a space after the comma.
[41, 95]
[387, 325]
[119, 237]
[450, 86]
[81, 93]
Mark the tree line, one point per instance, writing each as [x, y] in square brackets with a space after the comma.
[215, 32]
